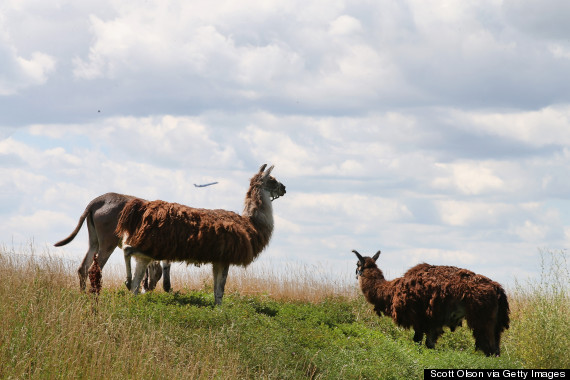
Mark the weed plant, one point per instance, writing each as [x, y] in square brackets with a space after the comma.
[540, 332]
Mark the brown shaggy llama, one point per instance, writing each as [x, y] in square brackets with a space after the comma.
[160, 230]
[429, 297]
[95, 276]
[102, 215]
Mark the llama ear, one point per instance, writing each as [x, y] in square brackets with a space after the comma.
[262, 168]
[360, 258]
[375, 257]
[268, 171]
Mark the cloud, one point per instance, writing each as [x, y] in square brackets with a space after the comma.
[345, 25]
[537, 128]
[21, 72]
[540, 19]
[132, 59]
[469, 178]
[469, 213]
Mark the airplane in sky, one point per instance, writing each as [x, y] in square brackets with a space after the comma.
[206, 184]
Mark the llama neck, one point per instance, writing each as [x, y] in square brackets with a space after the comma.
[259, 211]
[376, 289]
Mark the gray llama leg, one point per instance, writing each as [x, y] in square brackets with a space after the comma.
[140, 269]
[127, 254]
[220, 275]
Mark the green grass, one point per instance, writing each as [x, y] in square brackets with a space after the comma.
[50, 330]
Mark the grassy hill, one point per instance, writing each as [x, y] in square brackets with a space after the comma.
[296, 329]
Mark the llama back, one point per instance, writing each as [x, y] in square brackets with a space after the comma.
[170, 231]
[437, 289]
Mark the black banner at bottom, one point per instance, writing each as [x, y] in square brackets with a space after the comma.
[525, 374]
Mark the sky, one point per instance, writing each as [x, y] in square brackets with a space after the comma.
[435, 131]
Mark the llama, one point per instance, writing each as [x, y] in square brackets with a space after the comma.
[160, 230]
[95, 276]
[429, 297]
[102, 215]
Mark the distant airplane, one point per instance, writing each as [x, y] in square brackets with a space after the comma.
[206, 184]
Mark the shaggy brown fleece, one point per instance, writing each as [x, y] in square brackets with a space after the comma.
[429, 297]
[171, 231]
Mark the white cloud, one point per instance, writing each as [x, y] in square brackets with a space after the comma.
[444, 257]
[549, 125]
[469, 178]
[463, 213]
[350, 213]
[19, 72]
[40, 221]
[345, 25]
[559, 51]
[531, 232]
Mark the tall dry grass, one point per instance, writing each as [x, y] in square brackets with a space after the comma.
[540, 315]
[51, 331]
[288, 282]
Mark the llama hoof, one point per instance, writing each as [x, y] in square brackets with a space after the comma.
[128, 284]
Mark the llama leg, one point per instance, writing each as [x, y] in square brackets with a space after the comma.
[484, 333]
[432, 336]
[142, 263]
[418, 336]
[483, 341]
[497, 350]
[127, 253]
[145, 279]
[166, 276]
[497, 339]
[220, 275]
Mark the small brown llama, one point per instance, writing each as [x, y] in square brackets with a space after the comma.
[160, 230]
[429, 297]
[102, 215]
[95, 276]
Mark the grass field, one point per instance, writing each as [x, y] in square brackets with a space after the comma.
[270, 326]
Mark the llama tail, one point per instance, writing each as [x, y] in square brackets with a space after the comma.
[503, 314]
[77, 228]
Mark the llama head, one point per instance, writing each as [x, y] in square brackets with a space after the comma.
[365, 262]
[268, 183]
[154, 274]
